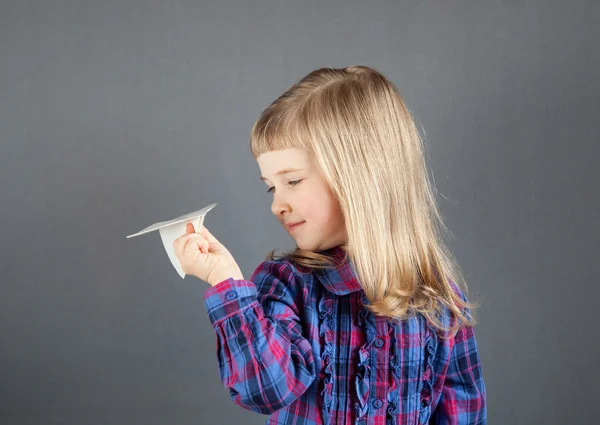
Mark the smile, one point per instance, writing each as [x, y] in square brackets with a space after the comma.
[295, 226]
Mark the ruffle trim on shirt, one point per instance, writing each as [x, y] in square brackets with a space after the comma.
[363, 375]
[430, 347]
[393, 396]
[325, 330]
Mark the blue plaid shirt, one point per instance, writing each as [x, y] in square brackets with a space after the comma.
[298, 345]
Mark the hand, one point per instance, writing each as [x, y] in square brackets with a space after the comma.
[203, 256]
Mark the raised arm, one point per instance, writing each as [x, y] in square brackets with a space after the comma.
[263, 357]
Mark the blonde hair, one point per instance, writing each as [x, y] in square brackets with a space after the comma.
[356, 127]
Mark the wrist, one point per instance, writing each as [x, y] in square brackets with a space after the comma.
[222, 275]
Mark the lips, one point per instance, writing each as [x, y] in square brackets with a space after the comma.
[292, 226]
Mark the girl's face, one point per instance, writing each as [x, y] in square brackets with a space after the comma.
[301, 195]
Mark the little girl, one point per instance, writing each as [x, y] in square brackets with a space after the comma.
[363, 322]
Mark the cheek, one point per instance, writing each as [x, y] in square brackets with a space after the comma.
[325, 209]
[307, 206]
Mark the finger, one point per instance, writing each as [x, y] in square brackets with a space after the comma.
[201, 244]
[209, 237]
[179, 243]
[196, 242]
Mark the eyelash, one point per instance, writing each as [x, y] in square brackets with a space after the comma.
[292, 182]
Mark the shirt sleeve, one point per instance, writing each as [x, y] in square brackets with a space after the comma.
[463, 396]
[263, 357]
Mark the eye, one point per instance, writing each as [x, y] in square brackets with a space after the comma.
[291, 183]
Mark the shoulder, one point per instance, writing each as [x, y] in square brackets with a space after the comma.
[457, 290]
[281, 269]
[279, 276]
[456, 325]
[443, 322]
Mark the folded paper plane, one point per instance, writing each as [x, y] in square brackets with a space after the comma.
[173, 229]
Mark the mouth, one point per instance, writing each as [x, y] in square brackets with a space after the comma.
[292, 226]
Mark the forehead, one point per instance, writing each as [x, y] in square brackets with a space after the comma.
[270, 163]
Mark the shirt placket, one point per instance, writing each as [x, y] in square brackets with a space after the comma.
[380, 361]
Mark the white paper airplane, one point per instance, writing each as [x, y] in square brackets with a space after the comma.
[173, 229]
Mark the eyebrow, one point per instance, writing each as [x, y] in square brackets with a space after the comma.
[287, 170]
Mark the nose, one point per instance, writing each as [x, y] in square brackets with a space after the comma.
[279, 205]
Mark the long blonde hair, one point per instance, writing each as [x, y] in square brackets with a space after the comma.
[355, 125]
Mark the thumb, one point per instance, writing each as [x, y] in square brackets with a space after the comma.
[189, 228]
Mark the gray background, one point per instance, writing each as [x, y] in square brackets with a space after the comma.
[118, 114]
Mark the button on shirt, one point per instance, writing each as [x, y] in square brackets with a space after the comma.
[300, 346]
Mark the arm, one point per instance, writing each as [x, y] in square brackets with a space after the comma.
[463, 396]
[263, 358]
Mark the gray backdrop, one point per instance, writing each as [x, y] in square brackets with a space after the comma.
[117, 114]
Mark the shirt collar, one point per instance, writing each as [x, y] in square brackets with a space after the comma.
[341, 279]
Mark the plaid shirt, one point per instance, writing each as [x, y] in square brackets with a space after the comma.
[299, 345]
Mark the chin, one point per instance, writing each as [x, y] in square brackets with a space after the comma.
[307, 246]
[314, 247]
[304, 247]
